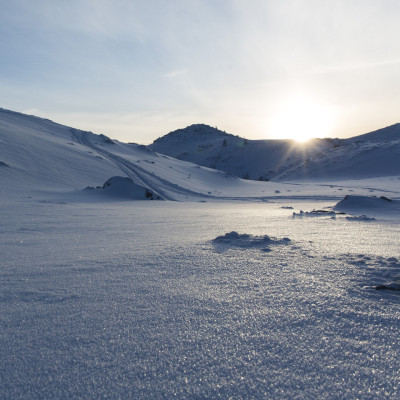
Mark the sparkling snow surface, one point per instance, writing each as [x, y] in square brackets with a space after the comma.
[137, 300]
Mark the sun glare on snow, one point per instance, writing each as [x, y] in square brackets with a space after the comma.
[301, 119]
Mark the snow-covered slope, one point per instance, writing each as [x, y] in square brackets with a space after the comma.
[42, 159]
[388, 134]
[374, 154]
[285, 159]
[39, 154]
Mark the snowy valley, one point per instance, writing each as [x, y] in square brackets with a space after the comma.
[150, 272]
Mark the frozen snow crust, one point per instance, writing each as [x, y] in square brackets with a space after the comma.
[236, 240]
[137, 301]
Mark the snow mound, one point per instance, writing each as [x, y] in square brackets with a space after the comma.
[360, 218]
[367, 205]
[314, 213]
[122, 188]
[395, 286]
[245, 241]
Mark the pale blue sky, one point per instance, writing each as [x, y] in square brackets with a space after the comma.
[136, 70]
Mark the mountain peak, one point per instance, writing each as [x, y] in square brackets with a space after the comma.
[193, 131]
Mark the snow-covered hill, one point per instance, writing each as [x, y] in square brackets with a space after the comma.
[43, 159]
[374, 154]
[248, 159]
[388, 134]
[38, 155]
[286, 159]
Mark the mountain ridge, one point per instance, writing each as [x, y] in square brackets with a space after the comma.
[278, 159]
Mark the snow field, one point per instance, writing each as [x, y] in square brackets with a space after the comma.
[138, 301]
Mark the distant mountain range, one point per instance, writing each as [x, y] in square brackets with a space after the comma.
[373, 154]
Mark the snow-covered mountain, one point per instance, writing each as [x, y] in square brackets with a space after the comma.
[44, 160]
[248, 159]
[373, 154]
[40, 154]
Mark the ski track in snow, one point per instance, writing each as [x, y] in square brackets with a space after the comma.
[138, 174]
[128, 168]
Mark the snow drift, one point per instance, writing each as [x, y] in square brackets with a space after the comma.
[247, 241]
[120, 188]
[368, 205]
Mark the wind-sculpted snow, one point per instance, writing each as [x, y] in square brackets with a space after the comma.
[314, 213]
[369, 205]
[380, 273]
[360, 218]
[395, 286]
[245, 241]
[118, 188]
[357, 208]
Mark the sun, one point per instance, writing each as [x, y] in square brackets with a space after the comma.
[300, 118]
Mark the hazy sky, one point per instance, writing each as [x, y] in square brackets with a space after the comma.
[137, 69]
